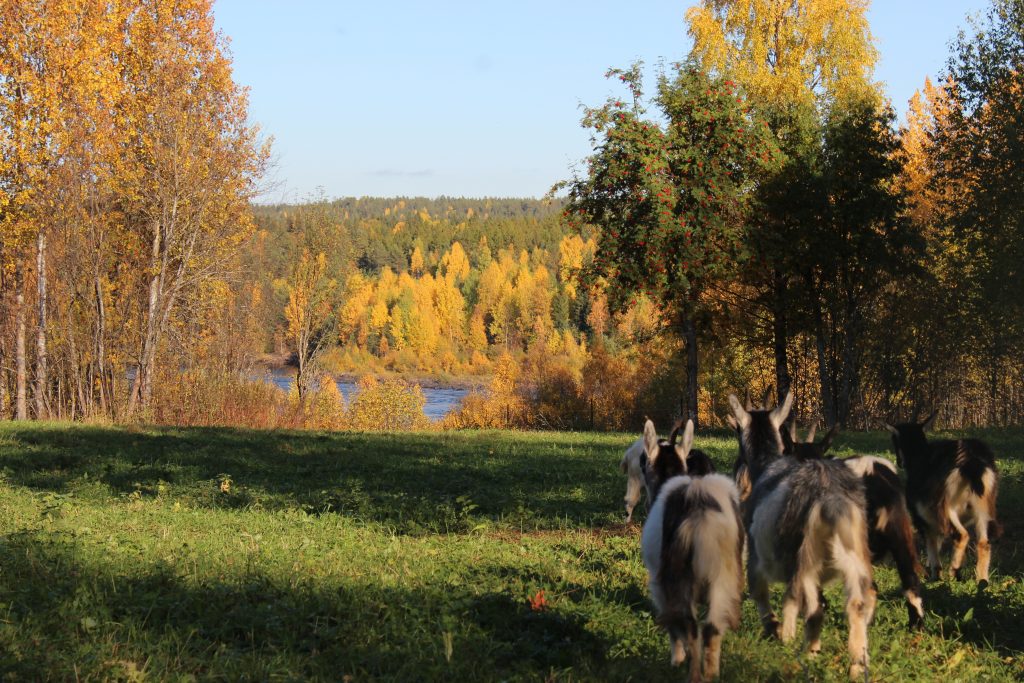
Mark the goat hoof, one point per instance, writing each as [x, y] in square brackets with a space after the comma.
[982, 585]
[857, 672]
[958, 574]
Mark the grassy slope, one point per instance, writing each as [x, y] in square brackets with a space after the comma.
[406, 557]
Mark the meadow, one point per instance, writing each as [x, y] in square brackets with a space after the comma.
[143, 554]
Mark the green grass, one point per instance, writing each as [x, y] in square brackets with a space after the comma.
[401, 557]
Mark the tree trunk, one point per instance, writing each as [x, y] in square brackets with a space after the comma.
[301, 350]
[20, 362]
[827, 401]
[993, 391]
[850, 372]
[690, 336]
[42, 370]
[101, 326]
[781, 338]
[142, 389]
[4, 396]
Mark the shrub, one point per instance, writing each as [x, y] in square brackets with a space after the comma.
[200, 398]
[389, 405]
[501, 407]
[326, 407]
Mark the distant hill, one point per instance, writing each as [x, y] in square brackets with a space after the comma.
[383, 231]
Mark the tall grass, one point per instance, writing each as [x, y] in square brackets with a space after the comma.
[204, 399]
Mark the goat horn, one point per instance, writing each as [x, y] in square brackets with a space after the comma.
[747, 405]
[810, 434]
[676, 428]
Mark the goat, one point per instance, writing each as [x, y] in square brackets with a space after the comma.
[807, 527]
[949, 482]
[632, 465]
[889, 527]
[691, 544]
[807, 448]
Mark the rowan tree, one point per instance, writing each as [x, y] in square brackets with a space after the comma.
[669, 194]
[795, 59]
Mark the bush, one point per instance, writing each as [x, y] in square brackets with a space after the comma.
[501, 407]
[326, 407]
[389, 405]
[201, 398]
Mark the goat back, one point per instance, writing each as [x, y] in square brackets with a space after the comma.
[792, 496]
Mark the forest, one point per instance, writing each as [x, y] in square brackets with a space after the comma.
[758, 217]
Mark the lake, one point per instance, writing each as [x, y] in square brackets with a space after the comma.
[440, 402]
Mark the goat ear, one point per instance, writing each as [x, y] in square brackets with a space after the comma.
[811, 433]
[651, 447]
[792, 431]
[742, 416]
[732, 422]
[927, 424]
[827, 441]
[779, 415]
[683, 449]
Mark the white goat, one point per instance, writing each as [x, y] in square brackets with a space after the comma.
[691, 544]
[632, 467]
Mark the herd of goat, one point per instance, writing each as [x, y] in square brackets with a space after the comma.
[804, 520]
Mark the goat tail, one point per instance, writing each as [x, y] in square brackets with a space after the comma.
[718, 565]
[702, 563]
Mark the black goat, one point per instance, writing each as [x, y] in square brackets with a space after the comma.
[949, 482]
[889, 527]
[807, 448]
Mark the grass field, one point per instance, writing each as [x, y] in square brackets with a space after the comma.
[215, 554]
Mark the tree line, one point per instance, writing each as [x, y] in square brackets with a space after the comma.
[126, 168]
[758, 220]
[773, 198]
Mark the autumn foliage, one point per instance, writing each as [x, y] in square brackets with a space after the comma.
[128, 165]
[757, 220]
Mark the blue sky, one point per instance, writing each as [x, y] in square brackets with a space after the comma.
[478, 98]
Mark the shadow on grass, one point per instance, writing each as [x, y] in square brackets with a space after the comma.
[988, 619]
[66, 617]
[412, 482]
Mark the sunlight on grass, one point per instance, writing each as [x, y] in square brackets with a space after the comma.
[399, 557]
